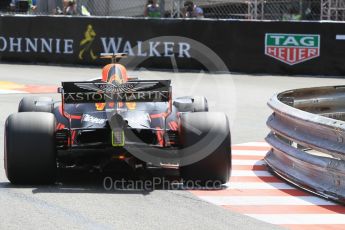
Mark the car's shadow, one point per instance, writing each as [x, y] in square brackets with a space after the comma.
[81, 181]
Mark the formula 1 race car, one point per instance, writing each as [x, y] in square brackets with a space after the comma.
[116, 119]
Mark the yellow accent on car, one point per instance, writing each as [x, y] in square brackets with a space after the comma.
[118, 138]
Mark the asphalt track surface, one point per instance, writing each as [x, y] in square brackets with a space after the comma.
[86, 205]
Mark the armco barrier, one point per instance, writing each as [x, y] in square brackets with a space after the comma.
[312, 48]
[308, 139]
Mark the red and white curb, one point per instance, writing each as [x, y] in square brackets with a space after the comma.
[255, 192]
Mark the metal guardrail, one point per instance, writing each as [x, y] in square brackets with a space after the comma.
[308, 139]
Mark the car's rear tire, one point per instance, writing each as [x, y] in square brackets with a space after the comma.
[200, 104]
[36, 104]
[198, 131]
[191, 104]
[30, 150]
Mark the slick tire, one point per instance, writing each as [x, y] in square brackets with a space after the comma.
[200, 104]
[36, 104]
[198, 131]
[30, 150]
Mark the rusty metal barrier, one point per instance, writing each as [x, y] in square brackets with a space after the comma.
[308, 139]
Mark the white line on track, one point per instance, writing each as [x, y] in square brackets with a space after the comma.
[5, 91]
[256, 144]
[301, 218]
[250, 173]
[269, 200]
[248, 153]
[258, 185]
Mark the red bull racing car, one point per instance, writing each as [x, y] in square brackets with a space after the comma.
[116, 119]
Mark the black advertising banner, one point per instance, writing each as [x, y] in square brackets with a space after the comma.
[310, 48]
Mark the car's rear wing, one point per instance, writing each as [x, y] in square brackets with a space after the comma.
[131, 91]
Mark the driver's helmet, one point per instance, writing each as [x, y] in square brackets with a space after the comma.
[114, 73]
